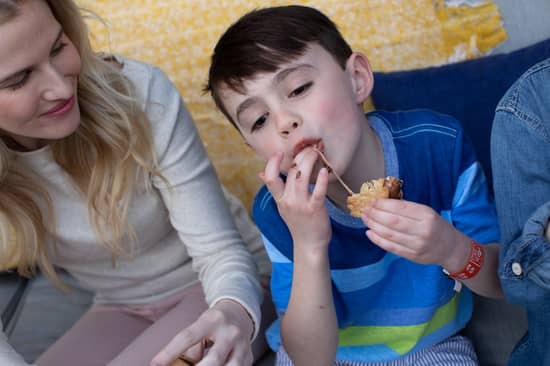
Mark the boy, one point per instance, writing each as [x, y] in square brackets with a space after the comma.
[291, 85]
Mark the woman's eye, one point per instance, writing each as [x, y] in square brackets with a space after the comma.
[300, 89]
[259, 123]
[19, 82]
[57, 50]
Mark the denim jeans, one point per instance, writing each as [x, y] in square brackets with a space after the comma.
[520, 154]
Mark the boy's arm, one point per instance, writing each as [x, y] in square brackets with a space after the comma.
[309, 328]
[418, 233]
[486, 281]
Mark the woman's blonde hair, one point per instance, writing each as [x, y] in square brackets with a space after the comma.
[108, 156]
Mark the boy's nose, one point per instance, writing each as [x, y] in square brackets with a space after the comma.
[288, 125]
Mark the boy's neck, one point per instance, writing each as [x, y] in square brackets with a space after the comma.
[367, 164]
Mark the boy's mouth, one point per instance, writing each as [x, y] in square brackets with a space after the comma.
[314, 143]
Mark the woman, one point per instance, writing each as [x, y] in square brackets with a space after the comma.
[103, 174]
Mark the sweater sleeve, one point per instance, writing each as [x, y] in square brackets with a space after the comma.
[197, 207]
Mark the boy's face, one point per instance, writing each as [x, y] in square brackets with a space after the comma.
[310, 101]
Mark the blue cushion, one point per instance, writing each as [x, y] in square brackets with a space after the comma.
[468, 90]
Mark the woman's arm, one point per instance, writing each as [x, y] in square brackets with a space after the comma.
[199, 213]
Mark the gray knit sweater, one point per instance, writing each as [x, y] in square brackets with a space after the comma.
[184, 234]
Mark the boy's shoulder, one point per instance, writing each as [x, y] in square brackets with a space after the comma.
[404, 119]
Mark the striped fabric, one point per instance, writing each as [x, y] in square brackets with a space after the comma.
[454, 351]
[388, 307]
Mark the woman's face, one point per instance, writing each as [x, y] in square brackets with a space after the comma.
[39, 67]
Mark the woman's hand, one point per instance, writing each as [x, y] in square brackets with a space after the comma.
[416, 232]
[228, 329]
[304, 212]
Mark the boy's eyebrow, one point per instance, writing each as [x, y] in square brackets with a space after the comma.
[244, 105]
[23, 70]
[284, 73]
[279, 77]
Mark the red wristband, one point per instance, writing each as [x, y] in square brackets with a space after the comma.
[472, 267]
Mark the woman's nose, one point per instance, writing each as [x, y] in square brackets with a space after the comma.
[57, 85]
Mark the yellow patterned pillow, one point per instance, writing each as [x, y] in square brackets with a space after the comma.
[179, 36]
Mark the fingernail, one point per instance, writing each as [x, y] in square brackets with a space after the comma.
[298, 174]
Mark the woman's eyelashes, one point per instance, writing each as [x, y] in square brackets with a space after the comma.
[18, 82]
[24, 76]
[57, 50]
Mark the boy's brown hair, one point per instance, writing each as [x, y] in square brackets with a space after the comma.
[264, 39]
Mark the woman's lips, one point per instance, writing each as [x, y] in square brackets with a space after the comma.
[61, 108]
[317, 143]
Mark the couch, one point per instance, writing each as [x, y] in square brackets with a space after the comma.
[468, 89]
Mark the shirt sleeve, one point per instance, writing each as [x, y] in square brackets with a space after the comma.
[521, 170]
[472, 209]
[531, 250]
[197, 207]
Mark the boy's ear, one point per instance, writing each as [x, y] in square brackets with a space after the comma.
[362, 78]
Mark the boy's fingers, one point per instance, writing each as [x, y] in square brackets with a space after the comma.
[273, 168]
[270, 176]
[394, 222]
[321, 185]
[408, 209]
[301, 177]
[388, 245]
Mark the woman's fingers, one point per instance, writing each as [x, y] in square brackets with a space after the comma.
[183, 344]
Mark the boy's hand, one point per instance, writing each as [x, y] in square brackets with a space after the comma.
[304, 212]
[547, 232]
[415, 232]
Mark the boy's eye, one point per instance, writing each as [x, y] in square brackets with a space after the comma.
[300, 90]
[259, 123]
